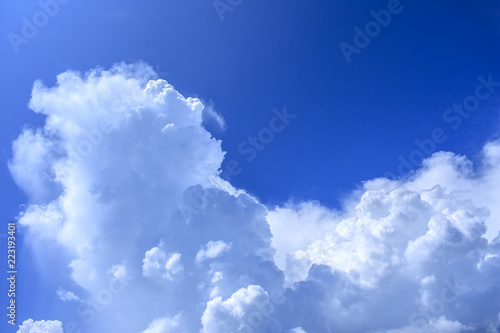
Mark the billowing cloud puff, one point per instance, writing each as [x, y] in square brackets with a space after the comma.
[42, 326]
[212, 250]
[414, 249]
[163, 325]
[157, 264]
[66, 296]
[130, 193]
[234, 314]
[124, 180]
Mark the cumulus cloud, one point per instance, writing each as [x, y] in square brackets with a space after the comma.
[296, 227]
[66, 296]
[163, 325]
[212, 250]
[237, 313]
[157, 264]
[124, 178]
[131, 194]
[416, 248]
[41, 326]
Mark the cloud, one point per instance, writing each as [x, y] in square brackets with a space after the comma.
[42, 326]
[66, 296]
[296, 227]
[163, 325]
[123, 179]
[135, 197]
[416, 248]
[298, 330]
[440, 325]
[236, 314]
[212, 250]
[157, 264]
[210, 115]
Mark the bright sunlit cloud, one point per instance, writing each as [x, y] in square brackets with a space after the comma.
[124, 178]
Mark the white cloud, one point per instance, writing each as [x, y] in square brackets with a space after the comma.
[154, 262]
[118, 272]
[238, 314]
[210, 114]
[416, 248]
[124, 179]
[163, 325]
[66, 296]
[174, 266]
[440, 325]
[157, 264]
[122, 183]
[292, 232]
[40, 326]
[297, 330]
[212, 250]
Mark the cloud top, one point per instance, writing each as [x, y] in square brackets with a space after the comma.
[124, 179]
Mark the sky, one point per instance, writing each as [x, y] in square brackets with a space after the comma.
[251, 166]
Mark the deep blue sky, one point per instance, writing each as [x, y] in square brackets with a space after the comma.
[353, 120]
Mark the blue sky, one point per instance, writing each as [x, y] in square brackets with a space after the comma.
[353, 119]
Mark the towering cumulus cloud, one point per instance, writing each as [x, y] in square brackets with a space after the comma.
[124, 180]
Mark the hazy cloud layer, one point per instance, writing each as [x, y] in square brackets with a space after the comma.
[123, 177]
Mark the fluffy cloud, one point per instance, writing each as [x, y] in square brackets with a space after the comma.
[212, 250]
[239, 313]
[157, 264]
[66, 296]
[163, 325]
[415, 248]
[42, 326]
[124, 180]
[132, 196]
